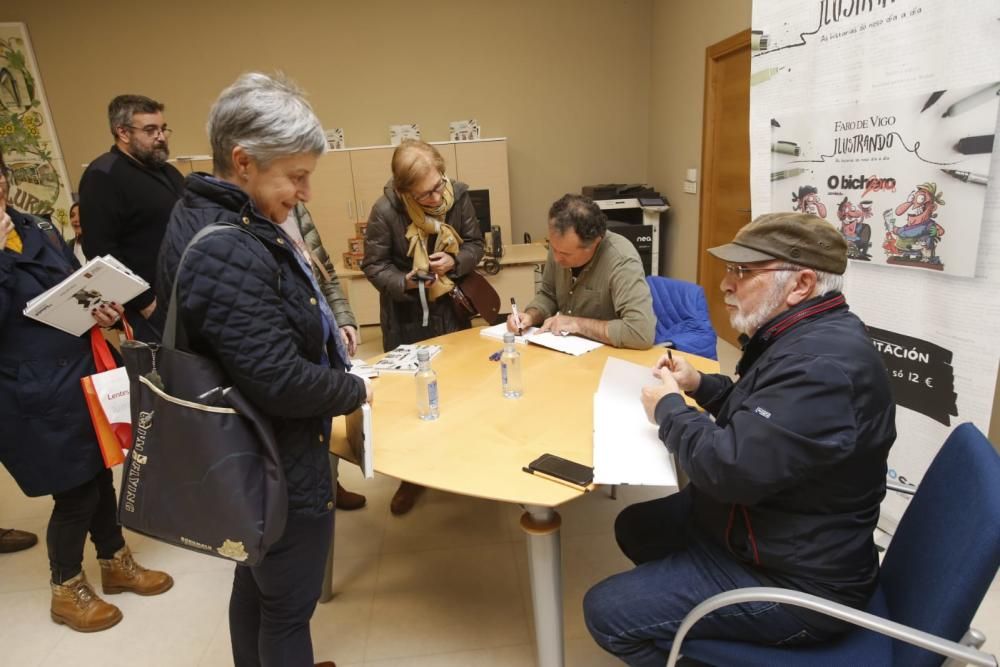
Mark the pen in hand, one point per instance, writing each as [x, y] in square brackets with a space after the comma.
[517, 318]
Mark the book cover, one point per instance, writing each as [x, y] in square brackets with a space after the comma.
[359, 437]
[67, 306]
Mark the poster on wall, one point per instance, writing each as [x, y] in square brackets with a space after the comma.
[904, 180]
[39, 181]
[881, 116]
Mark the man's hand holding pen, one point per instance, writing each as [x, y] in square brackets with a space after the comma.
[676, 375]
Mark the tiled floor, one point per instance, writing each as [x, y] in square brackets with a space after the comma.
[445, 586]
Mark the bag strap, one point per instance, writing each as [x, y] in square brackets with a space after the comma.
[174, 334]
[104, 360]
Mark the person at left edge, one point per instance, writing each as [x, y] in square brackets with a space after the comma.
[47, 441]
[126, 196]
[248, 300]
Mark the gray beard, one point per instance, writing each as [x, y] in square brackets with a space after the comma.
[749, 323]
[154, 157]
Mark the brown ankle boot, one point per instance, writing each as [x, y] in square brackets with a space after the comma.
[122, 573]
[348, 500]
[404, 498]
[74, 603]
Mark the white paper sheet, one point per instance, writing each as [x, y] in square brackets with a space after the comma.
[627, 447]
[575, 345]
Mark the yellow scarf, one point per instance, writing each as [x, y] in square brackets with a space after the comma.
[426, 222]
[14, 242]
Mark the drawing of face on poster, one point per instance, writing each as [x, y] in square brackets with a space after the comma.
[807, 201]
[856, 231]
[38, 180]
[913, 236]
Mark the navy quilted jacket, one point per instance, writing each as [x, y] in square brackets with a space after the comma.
[251, 307]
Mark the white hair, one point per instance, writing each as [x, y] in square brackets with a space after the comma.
[268, 116]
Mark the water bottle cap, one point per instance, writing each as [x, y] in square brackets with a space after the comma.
[423, 355]
[508, 337]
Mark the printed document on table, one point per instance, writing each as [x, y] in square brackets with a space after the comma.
[575, 345]
[627, 447]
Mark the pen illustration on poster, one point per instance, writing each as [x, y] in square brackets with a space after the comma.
[38, 179]
[880, 116]
[904, 180]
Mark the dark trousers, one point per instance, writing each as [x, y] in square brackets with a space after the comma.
[89, 508]
[271, 604]
[634, 615]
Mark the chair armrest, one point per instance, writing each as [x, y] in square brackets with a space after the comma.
[924, 640]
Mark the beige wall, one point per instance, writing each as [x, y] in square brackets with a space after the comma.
[681, 33]
[566, 81]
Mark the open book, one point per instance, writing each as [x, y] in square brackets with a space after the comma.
[67, 306]
[359, 438]
[627, 448]
[570, 344]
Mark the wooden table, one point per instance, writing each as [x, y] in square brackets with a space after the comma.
[481, 441]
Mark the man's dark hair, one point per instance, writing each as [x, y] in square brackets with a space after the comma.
[580, 214]
[122, 108]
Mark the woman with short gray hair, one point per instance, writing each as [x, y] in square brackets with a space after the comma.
[250, 301]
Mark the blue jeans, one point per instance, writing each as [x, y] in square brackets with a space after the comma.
[634, 615]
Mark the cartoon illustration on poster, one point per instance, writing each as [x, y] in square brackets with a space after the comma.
[904, 180]
[38, 179]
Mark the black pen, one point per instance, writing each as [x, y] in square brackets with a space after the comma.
[935, 96]
[977, 145]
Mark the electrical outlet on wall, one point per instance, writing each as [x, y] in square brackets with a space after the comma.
[691, 181]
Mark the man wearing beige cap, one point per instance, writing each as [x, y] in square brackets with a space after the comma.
[785, 482]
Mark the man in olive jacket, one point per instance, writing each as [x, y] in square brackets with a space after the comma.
[593, 283]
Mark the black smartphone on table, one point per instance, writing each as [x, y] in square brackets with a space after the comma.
[562, 469]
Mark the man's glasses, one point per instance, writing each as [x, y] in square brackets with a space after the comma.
[153, 130]
[742, 272]
[436, 190]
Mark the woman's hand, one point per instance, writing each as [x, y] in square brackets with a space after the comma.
[107, 314]
[441, 263]
[350, 336]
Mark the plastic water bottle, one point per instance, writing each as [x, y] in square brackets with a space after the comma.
[427, 387]
[510, 368]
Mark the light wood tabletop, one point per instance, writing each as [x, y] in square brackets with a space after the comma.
[481, 441]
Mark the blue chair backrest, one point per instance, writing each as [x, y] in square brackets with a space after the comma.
[682, 316]
[946, 549]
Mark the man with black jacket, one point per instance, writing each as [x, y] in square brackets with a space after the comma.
[787, 480]
[126, 196]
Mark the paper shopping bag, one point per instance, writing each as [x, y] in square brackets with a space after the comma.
[107, 438]
[107, 397]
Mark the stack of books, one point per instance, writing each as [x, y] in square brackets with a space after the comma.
[67, 306]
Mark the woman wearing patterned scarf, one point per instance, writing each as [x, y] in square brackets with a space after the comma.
[422, 235]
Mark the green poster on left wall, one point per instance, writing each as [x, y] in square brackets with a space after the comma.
[39, 182]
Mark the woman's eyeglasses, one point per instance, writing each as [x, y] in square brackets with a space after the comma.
[436, 190]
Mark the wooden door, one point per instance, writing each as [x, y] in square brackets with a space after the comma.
[725, 159]
[372, 169]
[483, 165]
[332, 202]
